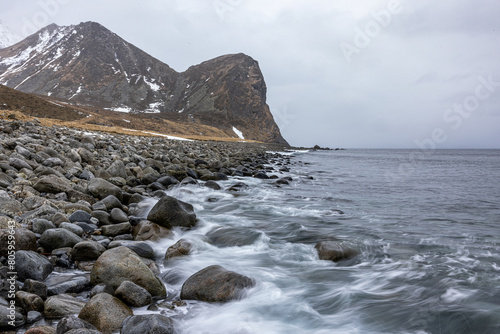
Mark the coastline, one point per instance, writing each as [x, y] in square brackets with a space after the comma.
[70, 196]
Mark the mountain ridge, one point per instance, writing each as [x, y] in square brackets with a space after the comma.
[90, 65]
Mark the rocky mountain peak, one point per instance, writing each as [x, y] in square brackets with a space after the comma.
[88, 64]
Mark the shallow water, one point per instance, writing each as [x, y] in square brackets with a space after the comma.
[429, 241]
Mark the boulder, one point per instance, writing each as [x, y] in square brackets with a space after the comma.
[71, 322]
[32, 265]
[33, 316]
[148, 323]
[141, 248]
[41, 330]
[58, 238]
[41, 225]
[215, 284]
[110, 202]
[80, 216]
[149, 231]
[105, 312]
[118, 216]
[121, 264]
[133, 295]
[170, 212]
[57, 285]
[117, 169]
[335, 251]
[232, 236]
[73, 228]
[101, 188]
[9, 207]
[61, 306]
[87, 250]
[35, 287]
[180, 248]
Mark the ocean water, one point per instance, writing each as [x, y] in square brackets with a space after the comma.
[427, 226]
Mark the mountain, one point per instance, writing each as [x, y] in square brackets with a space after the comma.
[89, 65]
[7, 38]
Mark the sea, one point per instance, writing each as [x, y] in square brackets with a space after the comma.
[426, 224]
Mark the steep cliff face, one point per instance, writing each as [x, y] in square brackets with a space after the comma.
[88, 64]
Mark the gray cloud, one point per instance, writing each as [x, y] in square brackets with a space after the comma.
[394, 92]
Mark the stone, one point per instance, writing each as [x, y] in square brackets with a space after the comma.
[41, 330]
[170, 212]
[215, 284]
[73, 228]
[83, 331]
[19, 164]
[87, 250]
[61, 306]
[24, 240]
[133, 295]
[35, 287]
[58, 238]
[240, 186]
[57, 285]
[232, 236]
[212, 185]
[141, 248]
[101, 188]
[52, 184]
[148, 323]
[167, 181]
[117, 169]
[335, 251]
[102, 216]
[32, 265]
[80, 216]
[53, 162]
[71, 322]
[4, 319]
[149, 231]
[111, 202]
[9, 207]
[29, 301]
[118, 216]
[116, 229]
[180, 248]
[33, 316]
[121, 264]
[105, 312]
[41, 225]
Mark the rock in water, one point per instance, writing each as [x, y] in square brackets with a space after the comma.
[215, 284]
[105, 312]
[32, 265]
[133, 295]
[61, 306]
[121, 264]
[170, 212]
[68, 323]
[335, 251]
[150, 323]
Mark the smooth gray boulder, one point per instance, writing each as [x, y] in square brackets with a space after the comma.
[101, 188]
[61, 306]
[133, 295]
[105, 312]
[170, 212]
[335, 251]
[148, 323]
[31, 265]
[58, 238]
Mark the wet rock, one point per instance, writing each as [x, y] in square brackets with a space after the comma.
[141, 248]
[87, 250]
[58, 285]
[101, 188]
[167, 181]
[35, 287]
[5, 180]
[33, 316]
[215, 284]
[180, 248]
[121, 264]
[58, 238]
[105, 312]
[29, 301]
[25, 240]
[335, 251]
[133, 295]
[170, 212]
[117, 229]
[240, 186]
[212, 185]
[83, 331]
[117, 169]
[32, 265]
[188, 180]
[149, 231]
[9, 207]
[102, 216]
[61, 306]
[232, 236]
[150, 323]
[53, 162]
[19, 164]
[111, 202]
[5, 312]
[71, 322]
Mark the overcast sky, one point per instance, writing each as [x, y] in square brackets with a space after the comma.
[339, 73]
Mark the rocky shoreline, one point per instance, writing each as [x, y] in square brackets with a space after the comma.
[71, 201]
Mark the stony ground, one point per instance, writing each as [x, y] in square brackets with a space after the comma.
[69, 200]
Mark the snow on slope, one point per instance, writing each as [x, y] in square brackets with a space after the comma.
[7, 38]
[238, 133]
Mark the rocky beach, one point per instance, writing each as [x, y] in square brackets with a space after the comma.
[72, 204]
